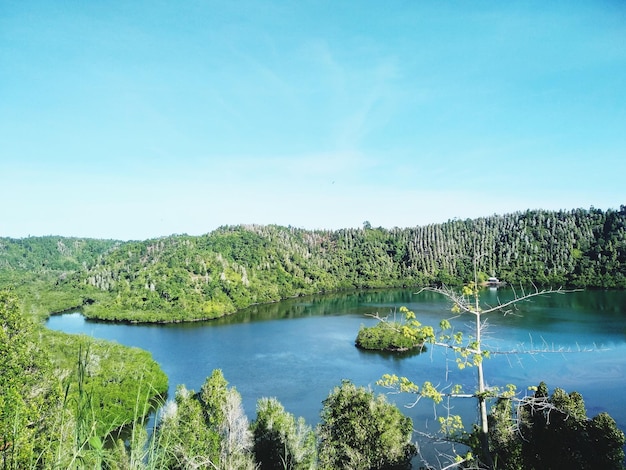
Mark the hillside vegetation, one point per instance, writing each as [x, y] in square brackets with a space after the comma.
[183, 277]
[35, 267]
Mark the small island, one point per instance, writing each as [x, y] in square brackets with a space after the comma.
[386, 336]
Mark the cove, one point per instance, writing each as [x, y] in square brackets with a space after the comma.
[297, 350]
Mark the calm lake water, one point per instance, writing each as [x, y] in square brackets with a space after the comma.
[298, 350]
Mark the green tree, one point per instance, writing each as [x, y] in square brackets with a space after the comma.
[361, 431]
[387, 336]
[545, 432]
[213, 394]
[191, 443]
[205, 430]
[29, 393]
[280, 441]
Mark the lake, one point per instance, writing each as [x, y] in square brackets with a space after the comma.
[299, 349]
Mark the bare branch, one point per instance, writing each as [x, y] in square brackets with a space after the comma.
[465, 306]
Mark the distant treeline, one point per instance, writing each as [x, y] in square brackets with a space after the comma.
[185, 277]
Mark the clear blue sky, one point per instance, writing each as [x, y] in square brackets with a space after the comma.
[140, 119]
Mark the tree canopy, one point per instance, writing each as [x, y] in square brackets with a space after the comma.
[362, 431]
[551, 432]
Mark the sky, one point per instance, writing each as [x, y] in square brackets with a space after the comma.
[142, 119]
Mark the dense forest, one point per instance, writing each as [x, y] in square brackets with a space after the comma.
[184, 277]
[35, 268]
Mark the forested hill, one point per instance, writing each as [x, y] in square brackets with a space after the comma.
[185, 277]
[191, 277]
[35, 266]
[51, 253]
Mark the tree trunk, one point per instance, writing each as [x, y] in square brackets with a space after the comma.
[482, 401]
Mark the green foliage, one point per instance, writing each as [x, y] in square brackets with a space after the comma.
[58, 409]
[181, 277]
[359, 430]
[404, 385]
[213, 395]
[39, 269]
[191, 441]
[386, 336]
[205, 430]
[112, 376]
[281, 441]
[52, 253]
[552, 432]
[29, 392]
